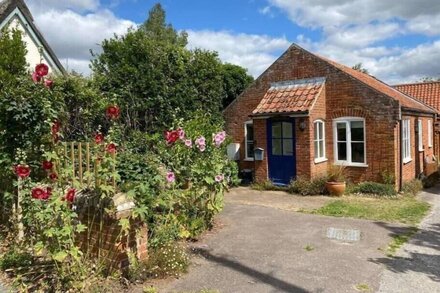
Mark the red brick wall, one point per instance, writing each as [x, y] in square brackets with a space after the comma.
[343, 96]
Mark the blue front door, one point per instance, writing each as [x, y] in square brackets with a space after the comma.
[281, 150]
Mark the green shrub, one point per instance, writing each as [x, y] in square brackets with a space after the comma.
[412, 187]
[268, 185]
[374, 188]
[388, 177]
[308, 187]
[166, 261]
[15, 259]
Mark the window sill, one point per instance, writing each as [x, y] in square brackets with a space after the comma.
[345, 164]
[430, 146]
[320, 160]
[406, 161]
[421, 150]
[248, 159]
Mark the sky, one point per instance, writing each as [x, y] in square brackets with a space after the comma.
[397, 41]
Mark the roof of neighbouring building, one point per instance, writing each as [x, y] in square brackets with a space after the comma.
[428, 92]
[295, 96]
[8, 6]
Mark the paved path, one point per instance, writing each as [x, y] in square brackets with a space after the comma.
[416, 267]
[263, 249]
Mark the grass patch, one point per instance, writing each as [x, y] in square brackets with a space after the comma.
[362, 287]
[308, 247]
[406, 210]
[399, 240]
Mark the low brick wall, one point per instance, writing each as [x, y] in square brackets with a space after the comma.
[105, 240]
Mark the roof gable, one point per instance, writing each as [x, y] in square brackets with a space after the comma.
[428, 92]
[7, 7]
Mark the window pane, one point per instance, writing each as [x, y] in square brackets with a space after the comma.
[316, 124]
[341, 131]
[321, 149]
[357, 152]
[316, 150]
[321, 130]
[250, 149]
[287, 130]
[342, 151]
[287, 147]
[276, 130]
[357, 131]
[249, 132]
[276, 147]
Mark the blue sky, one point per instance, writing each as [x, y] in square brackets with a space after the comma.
[396, 41]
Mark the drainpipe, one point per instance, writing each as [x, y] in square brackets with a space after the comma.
[401, 155]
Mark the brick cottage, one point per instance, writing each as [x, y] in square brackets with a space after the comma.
[308, 113]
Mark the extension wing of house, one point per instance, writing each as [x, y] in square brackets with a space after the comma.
[16, 14]
[306, 113]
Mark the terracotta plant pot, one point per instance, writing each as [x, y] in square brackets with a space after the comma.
[335, 188]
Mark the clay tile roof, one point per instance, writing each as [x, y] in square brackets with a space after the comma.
[428, 92]
[380, 86]
[293, 96]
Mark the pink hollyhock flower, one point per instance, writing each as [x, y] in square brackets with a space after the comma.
[41, 69]
[99, 138]
[181, 133]
[188, 143]
[171, 177]
[39, 193]
[70, 195]
[47, 165]
[219, 138]
[201, 147]
[48, 83]
[201, 143]
[219, 178]
[112, 112]
[35, 77]
[171, 136]
[22, 171]
[111, 148]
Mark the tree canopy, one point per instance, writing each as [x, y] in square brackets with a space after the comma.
[13, 51]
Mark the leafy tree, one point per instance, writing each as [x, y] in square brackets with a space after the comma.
[154, 78]
[429, 79]
[13, 55]
[235, 81]
[359, 67]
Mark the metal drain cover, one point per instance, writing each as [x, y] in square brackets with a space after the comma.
[351, 235]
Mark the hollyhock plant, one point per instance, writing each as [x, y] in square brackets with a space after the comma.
[53, 176]
[35, 77]
[41, 69]
[47, 165]
[219, 138]
[171, 136]
[39, 193]
[112, 112]
[219, 178]
[188, 143]
[181, 133]
[22, 171]
[202, 147]
[111, 148]
[48, 192]
[56, 126]
[70, 195]
[48, 83]
[201, 143]
[99, 138]
[171, 177]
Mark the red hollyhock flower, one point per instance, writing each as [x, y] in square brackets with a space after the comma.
[171, 136]
[99, 138]
[47, 165]
[39, 193]
[112, 112]
[56, 126]
[41, 69]
[53, 176]
[35, 77]
[70, 196]
[22, 171]
[48, 83]
[111, 148]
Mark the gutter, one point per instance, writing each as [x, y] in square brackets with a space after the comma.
[275, 114]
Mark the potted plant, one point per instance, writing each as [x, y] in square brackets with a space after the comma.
[335, 184]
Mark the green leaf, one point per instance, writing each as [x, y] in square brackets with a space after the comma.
[60, 256]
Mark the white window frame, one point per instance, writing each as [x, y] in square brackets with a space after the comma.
[246, 157]
[406, 141]
[420, 134]
[317, 151]
[430, 138]
[348, 162]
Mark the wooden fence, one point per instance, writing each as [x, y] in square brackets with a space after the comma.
[84, 162]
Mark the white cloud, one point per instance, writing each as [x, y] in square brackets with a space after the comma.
[80, 5]
[254, 52]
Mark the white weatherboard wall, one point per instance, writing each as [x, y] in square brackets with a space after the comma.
[33, 44]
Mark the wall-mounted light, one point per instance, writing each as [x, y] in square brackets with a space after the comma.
[302, 124]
